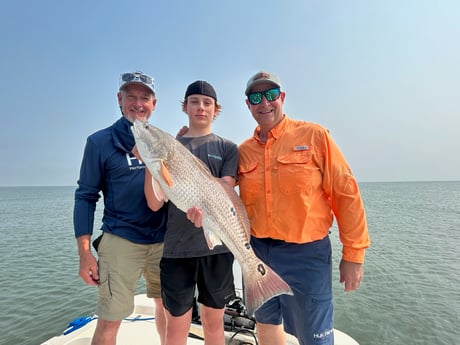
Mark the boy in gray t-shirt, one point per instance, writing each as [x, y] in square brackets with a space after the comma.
[187, 261]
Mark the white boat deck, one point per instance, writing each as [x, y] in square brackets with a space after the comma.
[139, 328]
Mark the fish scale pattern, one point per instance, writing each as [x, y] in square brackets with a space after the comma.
[187, 182]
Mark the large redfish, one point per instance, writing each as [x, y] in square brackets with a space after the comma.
[183, 179]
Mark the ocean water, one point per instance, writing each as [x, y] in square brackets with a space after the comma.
[410, 293]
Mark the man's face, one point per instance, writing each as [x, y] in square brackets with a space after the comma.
[267, 113]
[136, 102]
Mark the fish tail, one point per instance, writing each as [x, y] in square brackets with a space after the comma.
[260, 287]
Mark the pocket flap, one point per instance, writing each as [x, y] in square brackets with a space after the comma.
[295, 158]
[247, 168]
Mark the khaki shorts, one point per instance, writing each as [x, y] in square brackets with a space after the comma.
[121, 264]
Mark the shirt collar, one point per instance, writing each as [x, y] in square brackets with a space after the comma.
[276, 131]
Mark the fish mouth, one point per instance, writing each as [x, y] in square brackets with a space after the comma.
[135, 130]
[137, 125]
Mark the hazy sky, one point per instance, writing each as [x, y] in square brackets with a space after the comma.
[382, 76]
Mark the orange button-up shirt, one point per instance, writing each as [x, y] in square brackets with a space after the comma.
[295, 183]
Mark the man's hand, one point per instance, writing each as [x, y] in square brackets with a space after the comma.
[88, 264]
[351, 274]
[89, 269]
[195, 215]
[182, 131]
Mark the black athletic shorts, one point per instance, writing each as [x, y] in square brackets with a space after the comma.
[213, 275]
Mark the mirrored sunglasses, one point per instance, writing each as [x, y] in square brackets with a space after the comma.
[127, 77]
[270, 94]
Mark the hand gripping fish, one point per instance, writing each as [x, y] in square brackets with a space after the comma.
[181, 177]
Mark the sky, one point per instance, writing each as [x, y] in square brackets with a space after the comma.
[382, 75]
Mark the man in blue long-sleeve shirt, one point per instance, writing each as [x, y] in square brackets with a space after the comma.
[132, 240]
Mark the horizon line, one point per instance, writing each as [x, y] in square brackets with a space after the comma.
[382, 181]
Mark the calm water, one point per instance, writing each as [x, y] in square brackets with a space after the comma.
[410, 293]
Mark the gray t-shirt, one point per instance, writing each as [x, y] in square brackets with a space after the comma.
[182, 238]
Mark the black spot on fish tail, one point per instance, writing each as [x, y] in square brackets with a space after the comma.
[233, 211]
[261, 269]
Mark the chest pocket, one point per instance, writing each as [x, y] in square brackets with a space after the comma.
[295, 172]
[250, 183]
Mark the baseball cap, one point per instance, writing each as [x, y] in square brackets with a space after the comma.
[136, 78]
[201, 87]
[262, 77]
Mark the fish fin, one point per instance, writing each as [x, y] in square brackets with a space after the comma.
[158, 191]
[211, 239]
[238, 207]
[262, 285]
[164, 172]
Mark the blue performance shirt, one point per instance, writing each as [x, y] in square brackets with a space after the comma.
[108, 166]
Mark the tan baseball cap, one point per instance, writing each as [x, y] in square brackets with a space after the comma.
[262, 77]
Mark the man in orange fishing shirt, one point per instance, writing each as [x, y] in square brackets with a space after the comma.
[293, 180]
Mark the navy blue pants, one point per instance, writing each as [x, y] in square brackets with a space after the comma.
[307, 268]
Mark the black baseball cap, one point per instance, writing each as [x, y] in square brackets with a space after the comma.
[201, 87]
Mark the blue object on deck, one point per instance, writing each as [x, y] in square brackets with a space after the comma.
[81, 321]
[78, 323]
